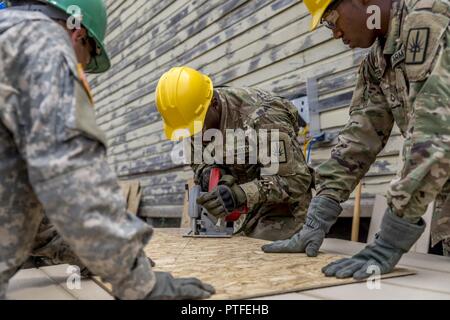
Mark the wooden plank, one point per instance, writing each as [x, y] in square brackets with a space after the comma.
[210, 36]
[334, 118]
[152, 16]
[149, 164]
[129, 122]
[266, 63]
[147, 81]
[140, 14]
[169, 31]
[227, 50]
[154, 211]
[165, 178]
[243, 264]
[251, 43]
[147, 94]
[292, 83]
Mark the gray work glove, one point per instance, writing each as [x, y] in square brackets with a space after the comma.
[169, 288]
[224, 199]
[322, 214]
[396, 237]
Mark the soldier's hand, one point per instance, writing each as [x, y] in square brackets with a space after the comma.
[307, 240]
[203, 178]
[322, 214]
[169, 288]
[396, 237]
[223, 200]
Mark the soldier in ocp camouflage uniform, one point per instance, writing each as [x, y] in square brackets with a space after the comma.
[278, 200]
[405, 78]
[52, 154]
[440, 223]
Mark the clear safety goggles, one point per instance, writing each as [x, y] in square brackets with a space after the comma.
[331, 16]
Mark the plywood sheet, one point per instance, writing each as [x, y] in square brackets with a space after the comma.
[237, 267]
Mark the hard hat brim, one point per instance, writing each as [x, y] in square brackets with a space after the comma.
[175, 134]
[100, 63]
[316, 18]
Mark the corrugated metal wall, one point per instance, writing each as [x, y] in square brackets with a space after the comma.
[262, 43]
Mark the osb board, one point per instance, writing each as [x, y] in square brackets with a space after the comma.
[237, 267]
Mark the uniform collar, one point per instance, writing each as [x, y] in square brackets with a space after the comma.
[395, 26]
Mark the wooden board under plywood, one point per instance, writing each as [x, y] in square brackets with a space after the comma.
[237, 267]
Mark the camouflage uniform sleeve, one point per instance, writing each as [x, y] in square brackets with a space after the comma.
[54, 129]
[426, 151]
[364, 136]
[287, 179]
[197, 165]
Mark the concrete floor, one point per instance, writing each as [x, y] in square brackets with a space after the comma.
[432, 281]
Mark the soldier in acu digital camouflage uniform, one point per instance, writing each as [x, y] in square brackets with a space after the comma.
[405, 78]
[277, 200]
[52, 154]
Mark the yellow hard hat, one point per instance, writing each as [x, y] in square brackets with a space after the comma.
[183, 96]
[317, 9]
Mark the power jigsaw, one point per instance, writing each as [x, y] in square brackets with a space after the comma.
[205, 225]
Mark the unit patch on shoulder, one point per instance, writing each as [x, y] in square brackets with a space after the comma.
[417, 45]
[279, 152]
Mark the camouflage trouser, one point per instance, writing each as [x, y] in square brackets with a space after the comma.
[440, 224]
[53, 250]
[274, 222]
[49, 244]
[50, 249]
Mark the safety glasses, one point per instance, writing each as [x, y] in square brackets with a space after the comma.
[95, 50]
[330, 17]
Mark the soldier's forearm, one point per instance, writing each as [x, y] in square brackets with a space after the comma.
[359, 144]
[277, 189]
[334, 182]
[426, 166]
